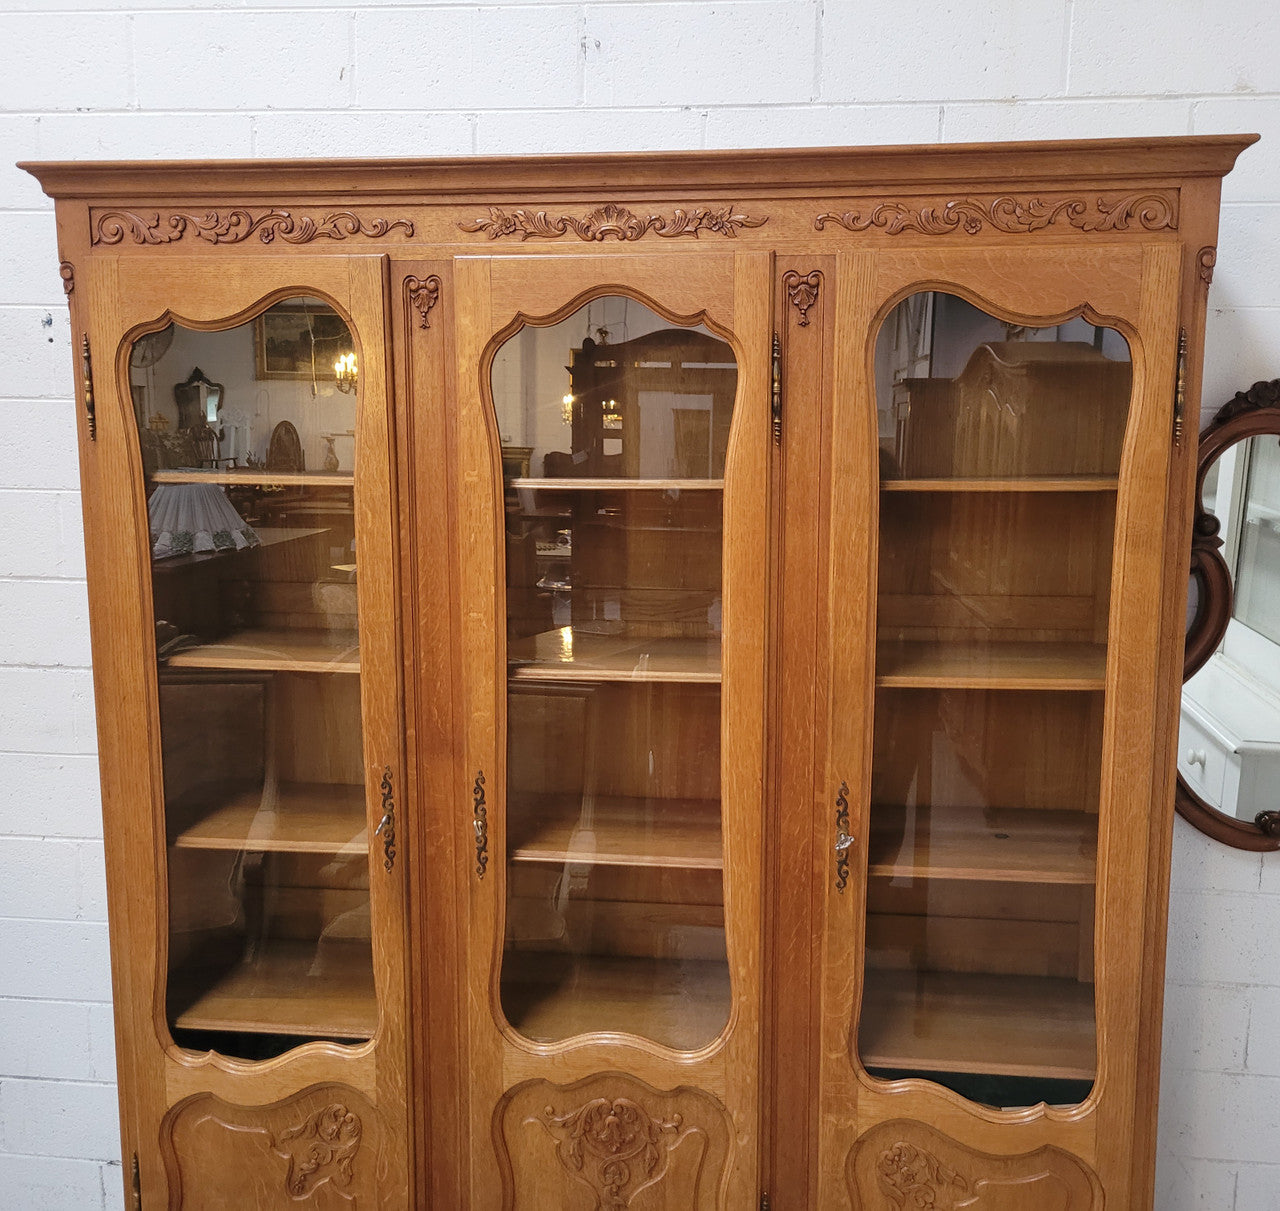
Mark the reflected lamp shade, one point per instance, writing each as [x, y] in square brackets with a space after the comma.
[187, 519]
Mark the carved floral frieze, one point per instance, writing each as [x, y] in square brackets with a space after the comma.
[1150, 211]
[611, 221]
[235, 226]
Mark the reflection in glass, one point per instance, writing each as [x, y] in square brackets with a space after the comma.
[1229, 733]
[1000, 449]
[614, 427]
[253, 575]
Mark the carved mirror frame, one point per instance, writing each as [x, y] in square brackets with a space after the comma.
[1248, 414]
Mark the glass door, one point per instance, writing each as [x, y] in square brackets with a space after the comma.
[617, 783]
[259, 663]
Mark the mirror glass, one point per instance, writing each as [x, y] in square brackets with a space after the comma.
[1229, 732]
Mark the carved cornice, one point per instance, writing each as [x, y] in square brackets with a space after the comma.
[1151, 211]
[802, 291]
[67, 272]
[234, 226]
[424, 293]
[322, 1148]
[611, 221]
[1207, 259]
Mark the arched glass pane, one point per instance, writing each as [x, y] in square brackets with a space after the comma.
[614, 426]
[247, 443]
[1000, 451]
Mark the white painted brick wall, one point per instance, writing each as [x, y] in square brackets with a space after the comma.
[214, 78]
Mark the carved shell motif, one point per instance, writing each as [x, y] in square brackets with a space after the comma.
[112, 226]
[320, 1149]
[1150, 211]
[914, 1178]
[612, 1146]
[610, 221]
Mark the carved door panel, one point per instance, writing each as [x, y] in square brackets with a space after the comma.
[614, 438]
[1004, 420]
[252, 752]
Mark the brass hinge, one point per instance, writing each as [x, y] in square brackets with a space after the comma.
[777, 390]
[135, 1185]
[480, 822]
[764, 1202]
[1180, 389]
[86, 359]
[387, 826]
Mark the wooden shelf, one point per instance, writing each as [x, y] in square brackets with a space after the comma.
[300, 818]
[257, 476]
[610, 830]
[996, 1025]
[603, 483]
[322, 988]
[1000, 845]
[293, 651]
[1031, 483]
[683, 1004]
[1007, 666]
[568, 655]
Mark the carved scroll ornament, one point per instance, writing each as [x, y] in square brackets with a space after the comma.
[235, 226]
[67, 272]
[613, 1146]
[320, 1149]
[802, 292]
[1149, 211]
[424, 293]
[611, 222]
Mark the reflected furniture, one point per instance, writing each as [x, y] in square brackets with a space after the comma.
[1229, 739]
[714, 746]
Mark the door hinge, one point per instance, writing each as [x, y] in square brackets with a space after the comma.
[1180, 389]
[135, 1185]
[777, 390]
[764, 1202]
[480, 822]
[387, 826]
[86, 359]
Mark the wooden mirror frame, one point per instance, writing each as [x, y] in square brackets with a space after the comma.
[1248, 414]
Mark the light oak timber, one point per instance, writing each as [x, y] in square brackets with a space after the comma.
[1000, 1025]
[321, 988]
[992, 666]
[566, 654]
[683, 1004]
[258, 477]
[292, 651]
[302, 818]
[1006, 845]
[614, 830]
[620, 483]
[1046, 483]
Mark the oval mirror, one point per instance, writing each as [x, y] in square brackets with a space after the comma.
[1229, 728]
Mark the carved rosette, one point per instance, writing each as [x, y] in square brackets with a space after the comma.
[611, 221]
[613, 1146]
[424, 293]
[67, 272]
[235, 226]
[320, 1149]
[1149, 211]
[802, 291]
[912, 1177]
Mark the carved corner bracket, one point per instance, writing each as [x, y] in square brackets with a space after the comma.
[1150, 211]
[235, 226]
[67, 272]
[611, 221]
[1207, 259]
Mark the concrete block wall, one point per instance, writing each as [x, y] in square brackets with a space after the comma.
[208, 78]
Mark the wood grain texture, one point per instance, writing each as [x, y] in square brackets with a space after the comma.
[611, 1141]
